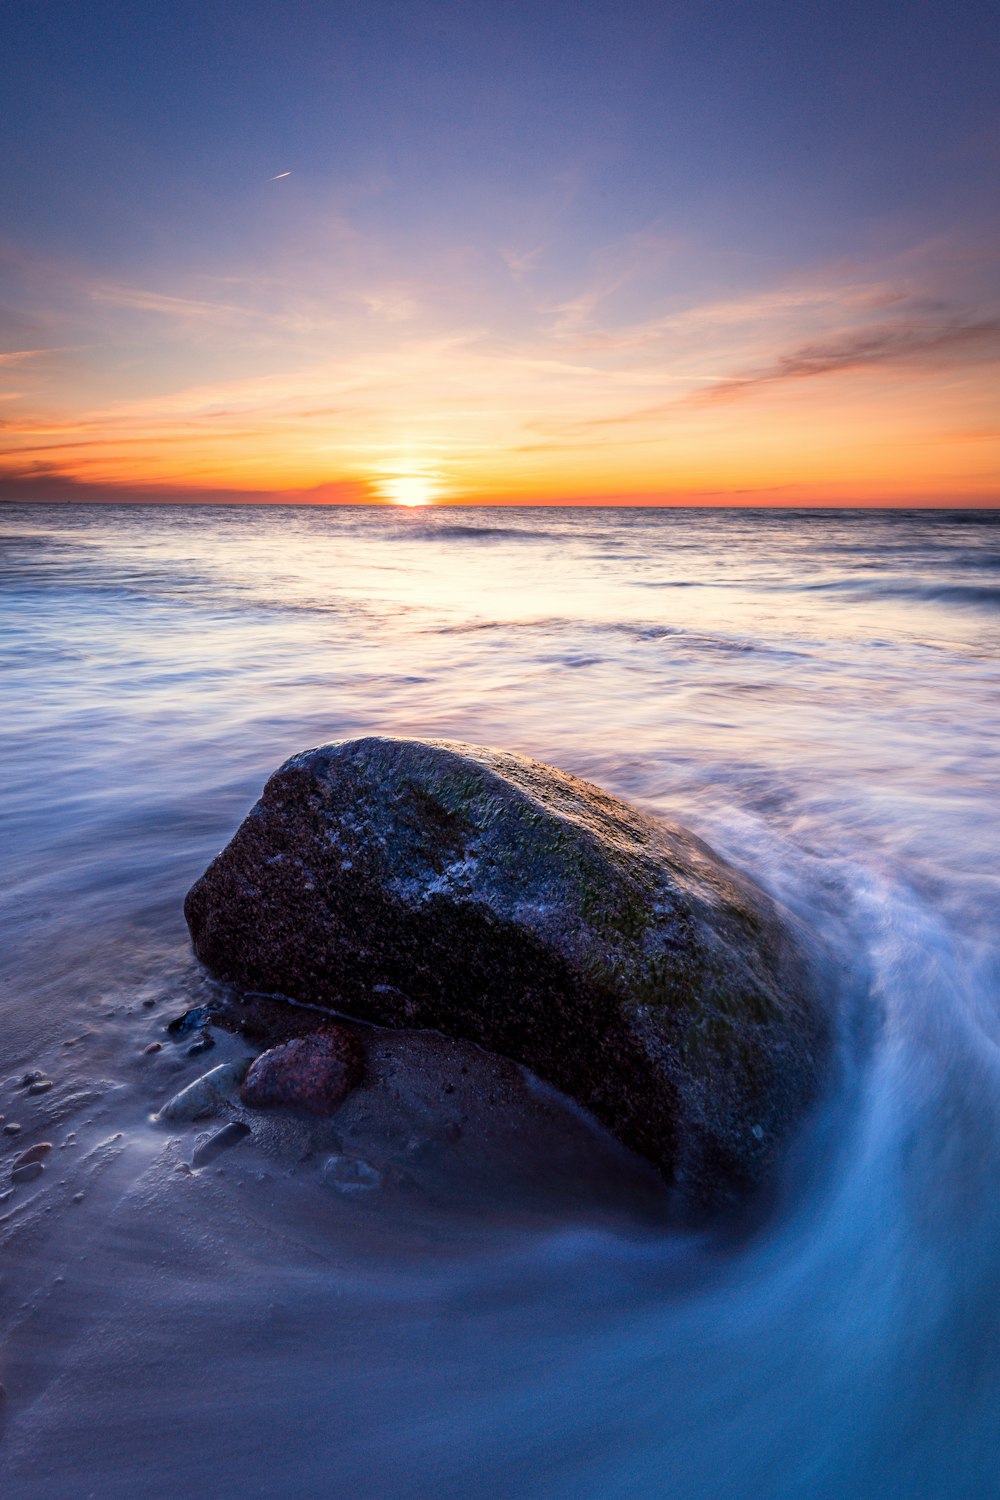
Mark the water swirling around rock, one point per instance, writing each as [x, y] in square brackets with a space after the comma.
[518, 1321]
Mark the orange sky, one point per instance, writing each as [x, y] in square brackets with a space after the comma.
[843, 385]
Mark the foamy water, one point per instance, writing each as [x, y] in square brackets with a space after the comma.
[816, 695]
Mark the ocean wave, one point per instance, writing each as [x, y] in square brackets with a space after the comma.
[979, 594]
[458, 532]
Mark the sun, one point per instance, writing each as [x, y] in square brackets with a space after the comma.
[408, 489]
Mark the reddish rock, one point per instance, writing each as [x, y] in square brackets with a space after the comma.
[314, 1072]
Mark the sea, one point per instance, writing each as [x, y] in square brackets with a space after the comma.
[816, 693]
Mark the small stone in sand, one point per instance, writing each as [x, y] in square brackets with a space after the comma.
[12, 1129]
[203, 1043]
[33, 1153]
[349, 1174]
[28, 1173]
[191, 1020]
[32, 1077]
[207, 1093]
[153, 1047]
[148, 1004]
[77, 1197]
[41, 1087]
[221, 1141]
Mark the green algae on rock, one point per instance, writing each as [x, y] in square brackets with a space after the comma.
[490, 897]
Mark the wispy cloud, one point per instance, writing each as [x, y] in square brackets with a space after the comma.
[187, 308]
[888, 344]
[497, 372]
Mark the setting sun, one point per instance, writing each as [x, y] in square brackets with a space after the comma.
[409, 489]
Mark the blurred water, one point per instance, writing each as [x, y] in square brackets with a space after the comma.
[815, 694]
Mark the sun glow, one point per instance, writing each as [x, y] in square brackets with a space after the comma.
[409, 489]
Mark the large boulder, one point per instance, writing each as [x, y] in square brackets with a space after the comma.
[490, 897]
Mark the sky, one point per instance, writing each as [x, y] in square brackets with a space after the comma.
[635, 253]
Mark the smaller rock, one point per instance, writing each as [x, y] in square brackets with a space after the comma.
[148, 1004]
[205, 1095]
[41, 1087]
[153, 1047]
[77, 1197]
[33, 1077]
[33, 1153]
[203, 1044]
[191, 1020]
[27, 1173]
[12, 1129]
[349, 1174]
[229, 1135]
[314, 1072]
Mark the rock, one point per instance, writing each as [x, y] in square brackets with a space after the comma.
[33, 1153]
[349, 1174]
[207, 1093]
[222, 1140]
[493, 898]
[41, 1087]
[314, 1072]
[27, 1173]
[33, 1077]
[153, 1047]
[191, 1020]
[77, 1197]
[12, 1128]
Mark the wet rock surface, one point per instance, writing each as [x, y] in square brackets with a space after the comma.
[223, 1140]
[484, 895]
[314, 1072]
[207, 1094]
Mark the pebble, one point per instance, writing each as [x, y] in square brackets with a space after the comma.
[314, 1072]
[33, 1077]
[205, 1095]
[153, 1047]
[229, 1135]
[191, 1020]
[27, 1173]
[12, 1129]
[148, 1004]
[349, 1174]
[201, 1045]
[41, 1087]
[33, 1153]
[77, 1197]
